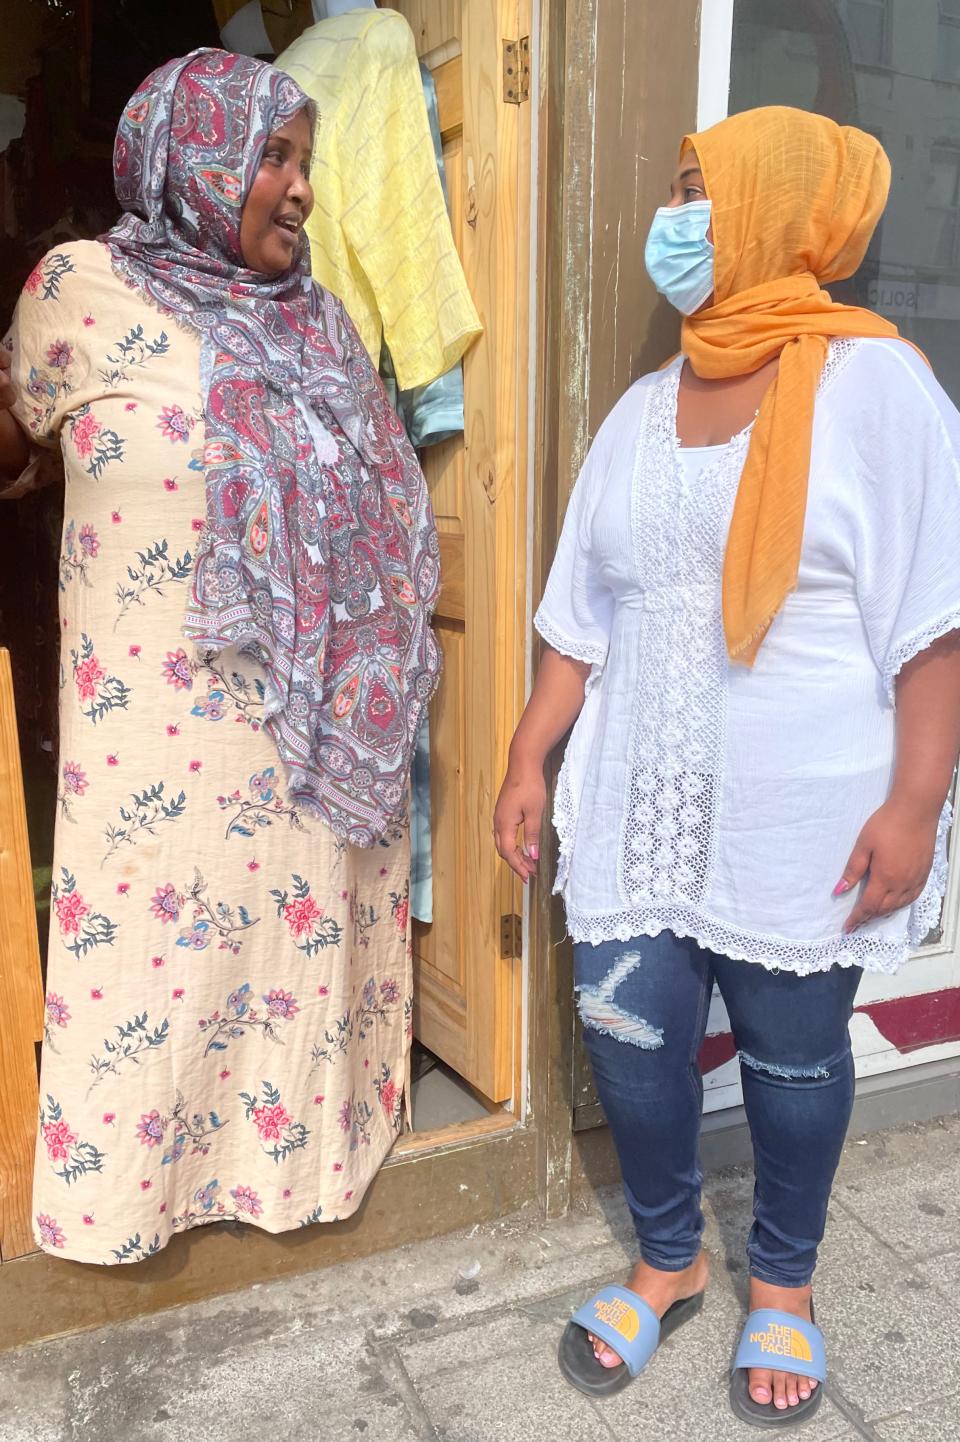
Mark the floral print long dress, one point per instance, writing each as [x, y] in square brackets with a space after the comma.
[228, 1010]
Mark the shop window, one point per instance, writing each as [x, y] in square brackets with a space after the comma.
[944, 206]
[878, 64]
[868, 27]
[948, 41]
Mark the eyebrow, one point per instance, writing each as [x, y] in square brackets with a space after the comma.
[691, 170]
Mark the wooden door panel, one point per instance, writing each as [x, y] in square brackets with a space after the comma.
[465, 999]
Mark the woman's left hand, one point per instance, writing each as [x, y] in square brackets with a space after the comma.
[894, 851]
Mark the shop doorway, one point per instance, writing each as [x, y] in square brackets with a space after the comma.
[466, 1069]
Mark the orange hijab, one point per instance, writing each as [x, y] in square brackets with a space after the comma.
[795, 200]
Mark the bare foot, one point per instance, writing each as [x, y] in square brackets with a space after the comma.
[659, 1290]
[783, 1389]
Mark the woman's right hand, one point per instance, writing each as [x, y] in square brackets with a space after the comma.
[521, 803]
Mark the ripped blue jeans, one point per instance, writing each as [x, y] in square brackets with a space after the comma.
[644, 1006]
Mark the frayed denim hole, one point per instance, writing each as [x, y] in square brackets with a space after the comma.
[600, 1012]
[785, 1073]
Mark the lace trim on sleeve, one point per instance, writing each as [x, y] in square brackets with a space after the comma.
[590, 652]
[916, 642]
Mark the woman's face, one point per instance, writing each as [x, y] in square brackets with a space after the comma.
[279, 201]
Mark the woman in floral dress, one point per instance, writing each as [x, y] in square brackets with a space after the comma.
[247, 577]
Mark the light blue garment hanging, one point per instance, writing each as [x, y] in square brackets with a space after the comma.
[430, 414]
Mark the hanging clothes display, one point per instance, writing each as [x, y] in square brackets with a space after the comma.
[380, 236]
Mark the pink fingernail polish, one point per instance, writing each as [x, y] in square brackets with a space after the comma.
[534, 853]
[841, 887]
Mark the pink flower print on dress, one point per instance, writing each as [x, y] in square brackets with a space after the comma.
[83, 433]
[58, 1138]
[177, 671]
[195, 767]
[123, 888]
[134, 651]
[116, 517]
[174, 423]
[34, 280]
[113, 760]
[388, 1097]
[150, 1129]
[281, 1003]
[86, 674]
[130, 406]
[197, 524]
[50, 1234]
[246, 1201]
[166, 903]
[89, 320]
[170, 485]
[89, 540]
[71, 909]
[74, 779]
[270, 1121]
[58, 1013]
[96, 993]
[109, 1118]
[390, 992]
[301, 914]
[59, 355]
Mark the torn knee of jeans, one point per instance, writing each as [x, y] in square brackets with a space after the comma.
[817, 1072]
[599, 1012]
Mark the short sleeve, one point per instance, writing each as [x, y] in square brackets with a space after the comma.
[576, 613]
[48, 365]
[908, 541]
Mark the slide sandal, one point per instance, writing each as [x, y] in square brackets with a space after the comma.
[783, 1343]
[624, 1321]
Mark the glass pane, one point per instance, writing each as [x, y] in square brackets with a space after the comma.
[865, 20]
[948, 61]
[810, 53]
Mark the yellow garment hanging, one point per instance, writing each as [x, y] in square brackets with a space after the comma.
[379, 234]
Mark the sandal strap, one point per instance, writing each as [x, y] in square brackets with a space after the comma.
[625, 1322]
[783, 1343]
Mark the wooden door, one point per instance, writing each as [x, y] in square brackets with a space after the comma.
[466, 991]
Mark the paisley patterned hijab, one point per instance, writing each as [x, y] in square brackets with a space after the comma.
[319, 555]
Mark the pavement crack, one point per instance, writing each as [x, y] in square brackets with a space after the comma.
[851, 1412]
[396, 1374]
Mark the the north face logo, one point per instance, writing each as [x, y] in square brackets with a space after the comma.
[620, 1316]
[781, 1341]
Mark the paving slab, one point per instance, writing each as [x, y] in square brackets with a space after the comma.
[939, 1423]
[507, 1389]
[910, 1201]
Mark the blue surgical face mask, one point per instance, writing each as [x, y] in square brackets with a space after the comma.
[679, 257]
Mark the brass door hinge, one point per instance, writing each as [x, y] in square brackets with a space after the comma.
[511, 937]
[516, 71]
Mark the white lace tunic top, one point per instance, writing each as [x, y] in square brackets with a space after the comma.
[718, 802]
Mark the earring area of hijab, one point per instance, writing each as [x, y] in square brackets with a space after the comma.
[678, 255]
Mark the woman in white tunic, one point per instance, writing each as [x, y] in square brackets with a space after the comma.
[752, 618]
